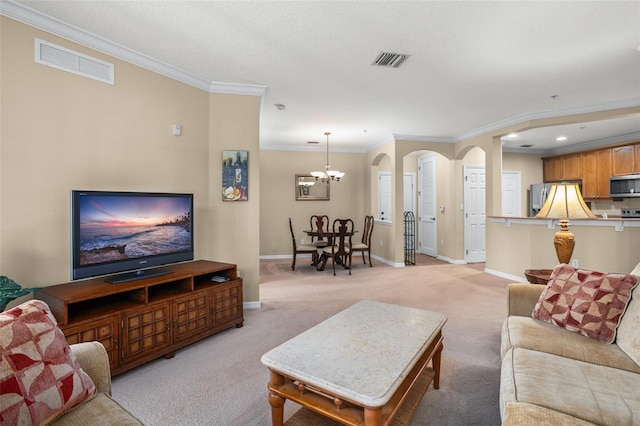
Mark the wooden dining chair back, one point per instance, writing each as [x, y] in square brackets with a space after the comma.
[319, 223]
[302, 249]
[340, 251]
[365, 245]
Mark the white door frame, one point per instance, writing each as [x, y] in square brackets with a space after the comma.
[512, 193]
[475, 223]
[410, 193]
[427, 226]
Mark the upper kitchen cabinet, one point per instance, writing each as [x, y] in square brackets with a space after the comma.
[565, 167]
[572, 167]
[552, 169]
[626, 160]
[596, 166]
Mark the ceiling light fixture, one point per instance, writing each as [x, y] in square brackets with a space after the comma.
[328, 174]
[561, 138]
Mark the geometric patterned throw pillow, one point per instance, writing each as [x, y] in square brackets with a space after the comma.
[40, 378]
[587, 302]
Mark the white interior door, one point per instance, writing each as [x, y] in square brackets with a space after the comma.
[427, 209]
[511, 194]
[475, 249]
[409, 192]
[384, 197]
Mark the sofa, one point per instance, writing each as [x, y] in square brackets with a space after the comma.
[100, 409]
[554, 375]
[44, 380]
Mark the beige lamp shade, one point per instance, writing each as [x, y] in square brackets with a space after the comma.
[565, 202]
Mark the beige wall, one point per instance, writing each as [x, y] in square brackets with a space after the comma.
[530, 168]
[517, 247]
[234, 126]
[278, 203]
[61, 131]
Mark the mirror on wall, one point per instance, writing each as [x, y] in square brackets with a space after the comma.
[309, 189]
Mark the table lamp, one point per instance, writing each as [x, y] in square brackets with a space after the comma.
[565, 202]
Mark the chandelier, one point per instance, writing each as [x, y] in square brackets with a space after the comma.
[328, 174]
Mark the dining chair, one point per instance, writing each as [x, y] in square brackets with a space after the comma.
[365, 245]
[302, 249]
[320, 223]
[339, 251]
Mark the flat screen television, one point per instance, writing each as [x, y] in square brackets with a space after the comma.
[127, 233]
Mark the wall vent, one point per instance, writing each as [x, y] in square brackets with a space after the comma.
[389, 59]
[58, 57]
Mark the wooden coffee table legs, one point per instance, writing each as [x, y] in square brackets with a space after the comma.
[276, 401]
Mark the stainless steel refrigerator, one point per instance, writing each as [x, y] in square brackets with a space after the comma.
[537, 196]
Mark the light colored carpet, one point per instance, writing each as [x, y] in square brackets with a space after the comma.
[220, 380]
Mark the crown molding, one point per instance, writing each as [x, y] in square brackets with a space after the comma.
[417, 138]
[310, 148]
[39, 20]
[607, 106]
[584, 146]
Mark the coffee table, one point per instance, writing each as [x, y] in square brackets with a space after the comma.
[358, 366]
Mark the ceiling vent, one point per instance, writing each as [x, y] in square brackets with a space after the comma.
[64, 59]
[389, 59]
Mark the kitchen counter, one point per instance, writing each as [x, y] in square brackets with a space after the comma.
[618, 223]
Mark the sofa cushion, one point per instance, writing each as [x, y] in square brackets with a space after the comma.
[521, 414]
[587, 302]
[628, 337]
[589, 392]
[528, 333]
[40, 378]
[100, 410]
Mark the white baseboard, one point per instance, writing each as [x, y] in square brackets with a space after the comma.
[452, 261]
[513, 278]
[251, 305]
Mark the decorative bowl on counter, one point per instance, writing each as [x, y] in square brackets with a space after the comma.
[538, 276]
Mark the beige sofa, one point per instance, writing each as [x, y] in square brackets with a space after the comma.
[101, 409]
[551, 376]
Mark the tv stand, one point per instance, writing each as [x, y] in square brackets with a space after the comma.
[137, 275]
[150, 317]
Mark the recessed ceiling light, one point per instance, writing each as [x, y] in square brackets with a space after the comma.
[561, 138]
[554, 96]
[526, 146]
[313, 142]
[280, 107]
[512, 135]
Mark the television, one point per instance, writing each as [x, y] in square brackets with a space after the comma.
[127, 233]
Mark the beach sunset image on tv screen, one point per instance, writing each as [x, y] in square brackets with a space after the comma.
[115, 228]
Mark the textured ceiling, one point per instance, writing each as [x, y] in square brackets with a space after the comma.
[473, 64]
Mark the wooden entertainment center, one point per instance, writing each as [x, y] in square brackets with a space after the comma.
[138, 321]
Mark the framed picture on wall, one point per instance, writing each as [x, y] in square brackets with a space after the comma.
[235, 178]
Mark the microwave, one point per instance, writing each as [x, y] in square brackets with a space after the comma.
[624, 186]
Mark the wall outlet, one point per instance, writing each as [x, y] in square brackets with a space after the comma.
[301, 240]
[613, 207]
[441, 242]
[575, 263]
[380, 243]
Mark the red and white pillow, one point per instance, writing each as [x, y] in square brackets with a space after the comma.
[587, 302]
[40, 378]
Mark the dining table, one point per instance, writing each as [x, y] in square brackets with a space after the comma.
[329, 235]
